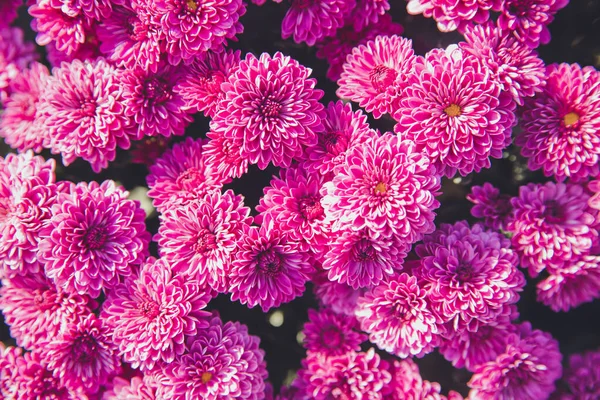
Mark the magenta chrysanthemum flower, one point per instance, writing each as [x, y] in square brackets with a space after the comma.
[360, 260]
[18, 125]
[272, 108]
[341, 298]
[331, 334]
[408, 384]
[292, 202]
[8, 10]
[561, 125]
[583, 376]
[222, 362]
[526, 369]
[514, 65]
[529, 19]
[269, 269]
[15, 56]
[343, 130]
[353, 375]
[397, 316]
[489, 204]
[201, 89]
[152, 102]
[132, 36]
[454, 15]
[153, 313]
[551, 224]
[310, 21]
[368, 12]
[194, 27]
[470, 274]
[455, 113]
[375, 73]
[224, 156]
[135, 389]
[334, 49]
[87, 51]
[93, 238]
[82, 110]
[200, 238]
[575, 283]
[594, 201]
[36, 310]
[181, 175]
[387, 187]
[10, 360]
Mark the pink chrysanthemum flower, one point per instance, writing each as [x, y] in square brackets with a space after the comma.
[526, 369]
[551, 224]
[222, 362]
[81, 107]
[18, 125]
[470, 274]
[193, 27]
[368, 12]
[375, 73]
[334, 49]
[575, 283]
[87, 51]
[583, 376]
[514, 65]
[529, 19]
[152, 102]
[224, 155]
[135, 389]
[15, 56]
[83, 354]
[36, 310]
[489, 204]
[454, 15]
[8, 10]
[353, 375]
[181, 175]
[561, 125]
[151, 314]
[387, 187]
[269, 269]
[455, 113]
[408, 384]
[93, 238]
[360, 260]
[201, 90]
[397, 316]
[293, 203]
[343, 130]
[10, 360]
[310, 21]
[341, 298]
[200, 239]
[132, 36]
[272, 108]
[331, 334]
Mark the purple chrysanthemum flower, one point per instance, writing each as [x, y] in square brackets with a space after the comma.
[310, 21]
[489, 204]
[83, 355]
[455, 113]
[341, 298]
[368, 12]
[353, 375]
[408, 384]
[575, 283]
[93, 238]
[343, 130]
[201, 89]
[152, 102]
[200, 239]
[594, 188]
[387, 187]
[137, 388]
[181, 175]
[359, 260]
[18, 125]
[222, 362]
[292, 202]
[334, 49]
[152, 314]
[583, 376]
[15, 56]
[82, 110]
[525, 370]
[193, 27]
[331, 334]
[269, 269]
[397, 316]
[551, 224]
[272, 108]
[224, 155]
[8, 10]
[561, 125]
[375, 73]
[514, 65]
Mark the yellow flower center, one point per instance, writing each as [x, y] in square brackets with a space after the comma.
[381, 188]
[453, 110]
[192, 5]
[571, 119]
[206, 376]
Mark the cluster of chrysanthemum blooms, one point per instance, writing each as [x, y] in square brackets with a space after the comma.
[344, 211]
